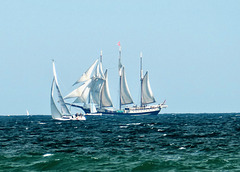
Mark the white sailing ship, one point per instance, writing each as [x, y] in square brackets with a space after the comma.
[64, 114]
[94, 89]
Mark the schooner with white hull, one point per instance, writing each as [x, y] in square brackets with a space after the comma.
[95, 86]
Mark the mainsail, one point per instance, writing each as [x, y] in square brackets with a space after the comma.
[125, 93]
[147, 95]
[106, 100]
[54, 109]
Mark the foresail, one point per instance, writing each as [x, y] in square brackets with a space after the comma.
[147, 95]
[106, 100]
[64, 108]
[125, 93]
[87, 75]
[54, 111]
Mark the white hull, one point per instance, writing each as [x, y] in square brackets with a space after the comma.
[82, 118]
[93, 114]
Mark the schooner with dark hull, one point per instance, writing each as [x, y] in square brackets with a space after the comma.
[94, 89]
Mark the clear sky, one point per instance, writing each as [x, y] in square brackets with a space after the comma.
[190, 48]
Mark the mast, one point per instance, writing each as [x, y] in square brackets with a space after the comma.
[101, 90]
[120, 75]
[141, 77]
[101, 56]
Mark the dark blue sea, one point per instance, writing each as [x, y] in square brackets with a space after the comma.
[166, 142]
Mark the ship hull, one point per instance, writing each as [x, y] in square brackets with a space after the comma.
[132, 112]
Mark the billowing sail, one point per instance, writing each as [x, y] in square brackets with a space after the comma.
[64, 108]
[99, 71]
[96, 90]
[87, 75]
[106, 100]
[79, 91]
[54, 110]
[125, 93]
[147, 95]
[84, 98]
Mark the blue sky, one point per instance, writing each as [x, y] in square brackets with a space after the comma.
[190, 48]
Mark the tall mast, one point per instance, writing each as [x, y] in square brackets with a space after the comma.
[101, 56]
[120, 74]
[101, 89]
[141, 76]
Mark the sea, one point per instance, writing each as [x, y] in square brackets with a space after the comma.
[166, 142]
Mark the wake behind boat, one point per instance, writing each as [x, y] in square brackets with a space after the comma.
[94, 89]
[64, 114]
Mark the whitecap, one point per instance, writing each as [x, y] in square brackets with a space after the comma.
[181, 148]
[160, 130]
[47, 154]
[134, 124]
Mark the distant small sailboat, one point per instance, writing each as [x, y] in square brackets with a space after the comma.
[64, 114]
[27, 112]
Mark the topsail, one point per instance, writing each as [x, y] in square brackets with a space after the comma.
[87, 75]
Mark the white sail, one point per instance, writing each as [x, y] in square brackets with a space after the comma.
[27, 112]
[79, 91]
[99, 71]
[54, 110]
[147, 95]
[64, 108]
[96, 90]
[87, 75]
[84, 98]
[125, 93]
[106, 100]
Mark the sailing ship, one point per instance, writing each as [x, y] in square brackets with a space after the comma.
[64, 114]
[94, 89]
